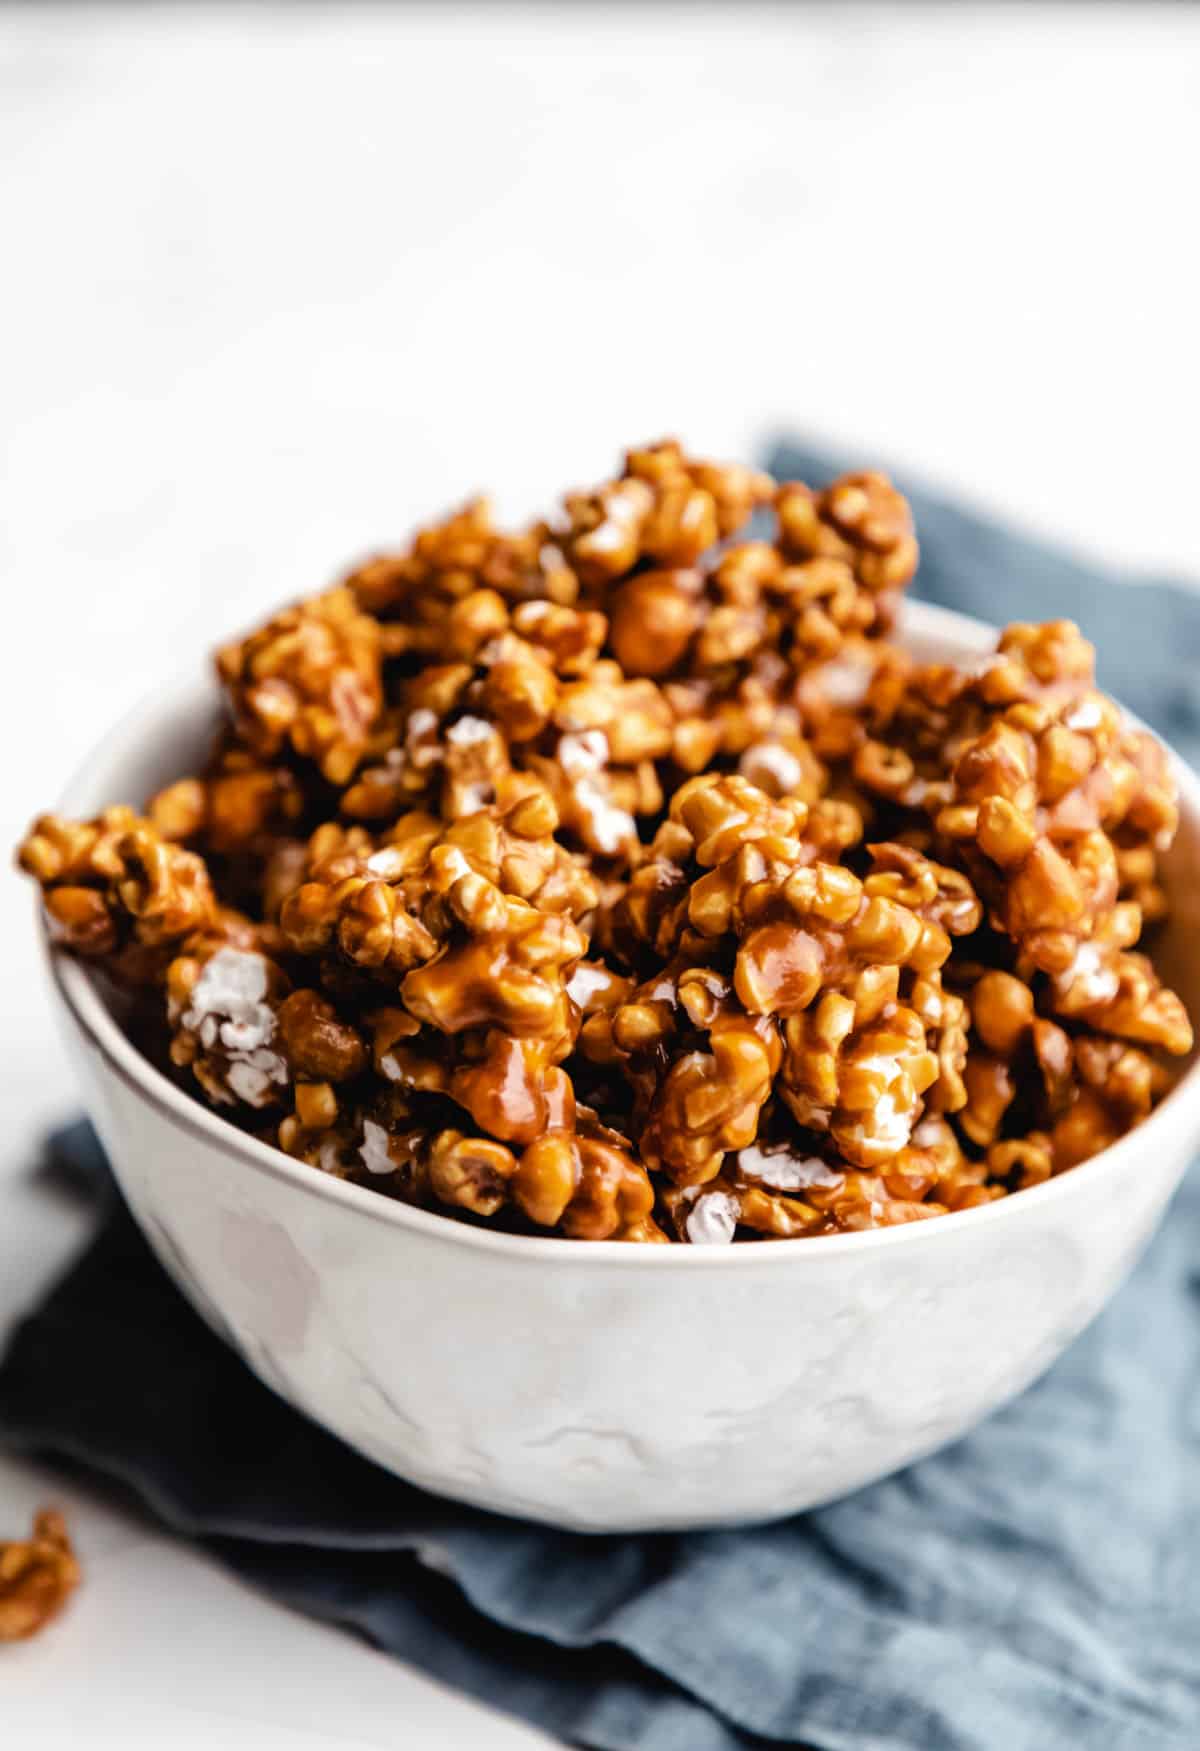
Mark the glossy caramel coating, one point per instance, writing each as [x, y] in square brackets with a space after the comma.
[37, 1576]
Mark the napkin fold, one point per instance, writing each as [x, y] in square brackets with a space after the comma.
[1034, 1586]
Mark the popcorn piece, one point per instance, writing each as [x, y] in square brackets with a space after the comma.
[311, 677]
[37, 1576]
[222, 1004]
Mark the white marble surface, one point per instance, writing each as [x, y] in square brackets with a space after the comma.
[277, 281]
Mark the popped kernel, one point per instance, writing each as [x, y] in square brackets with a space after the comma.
[37, 1576]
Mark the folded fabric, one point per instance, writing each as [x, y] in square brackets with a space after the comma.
[1035, 1586]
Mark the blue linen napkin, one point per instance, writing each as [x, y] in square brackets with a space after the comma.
[1035, 1586]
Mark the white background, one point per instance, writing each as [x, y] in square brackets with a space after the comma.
[276, 282]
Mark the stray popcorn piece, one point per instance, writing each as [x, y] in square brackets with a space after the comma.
[37, 1576]
[621, 878]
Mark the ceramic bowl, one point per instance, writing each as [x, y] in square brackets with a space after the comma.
[611, 1387]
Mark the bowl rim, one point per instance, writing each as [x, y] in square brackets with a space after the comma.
[81, 999]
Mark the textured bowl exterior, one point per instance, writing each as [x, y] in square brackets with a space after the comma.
[607, 1387]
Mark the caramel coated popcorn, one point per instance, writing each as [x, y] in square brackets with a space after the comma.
[114, 882]
[37, 1576]
[622, 878]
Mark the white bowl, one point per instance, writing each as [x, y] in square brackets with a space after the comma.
[607, 1386]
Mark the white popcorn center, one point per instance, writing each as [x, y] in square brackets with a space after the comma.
[584, 983]
[785, 1172]
[228, 1012]
[583, 755]
[468, 732]
[374, 1152]
[845, 681]
[712, 1219]
[776, 762]
[891, 1123]
[1089, 976]
[1085, 716]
